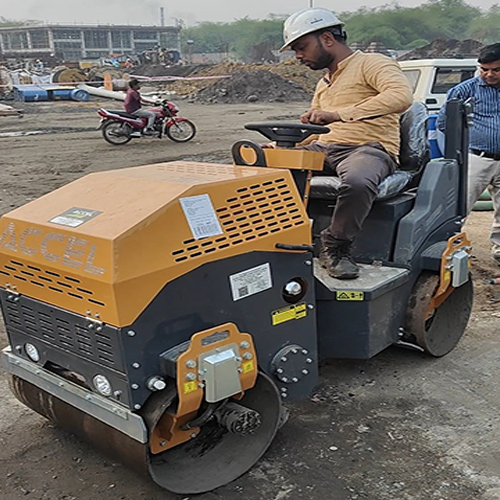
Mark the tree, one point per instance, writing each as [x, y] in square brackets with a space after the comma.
[241, 37]
[251, 34]
[487, 26]
[397, 26]
[208, 37]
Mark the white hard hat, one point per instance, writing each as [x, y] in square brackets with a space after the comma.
[307, 21]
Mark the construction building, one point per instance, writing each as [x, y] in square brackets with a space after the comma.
[74, 43]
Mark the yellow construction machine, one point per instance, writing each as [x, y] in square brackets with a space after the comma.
[165, 312]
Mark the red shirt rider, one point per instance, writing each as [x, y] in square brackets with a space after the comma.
[133, 98]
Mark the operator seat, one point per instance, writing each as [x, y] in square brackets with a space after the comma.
[414, 154]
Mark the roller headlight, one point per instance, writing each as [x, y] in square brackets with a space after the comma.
[294, 290]
[32, 352]
[102, 385]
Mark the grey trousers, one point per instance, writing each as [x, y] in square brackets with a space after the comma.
[361, 169]
[146, 114]
[485, 173]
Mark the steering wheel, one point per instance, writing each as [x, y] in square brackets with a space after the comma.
[286, 135]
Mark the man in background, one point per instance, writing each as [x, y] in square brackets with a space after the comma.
[484, 140]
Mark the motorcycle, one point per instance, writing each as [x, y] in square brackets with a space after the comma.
[120, 127]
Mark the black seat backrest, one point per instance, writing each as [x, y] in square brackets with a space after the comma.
[415, 150]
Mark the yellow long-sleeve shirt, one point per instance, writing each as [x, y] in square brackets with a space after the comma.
[369, 91]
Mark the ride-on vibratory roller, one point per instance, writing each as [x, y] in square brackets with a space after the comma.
[165, 312]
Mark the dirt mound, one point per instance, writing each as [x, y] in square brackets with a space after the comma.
[251, 86]
[441, 49]
[288, 80]
[289, 70]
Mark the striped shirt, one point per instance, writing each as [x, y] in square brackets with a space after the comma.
[484, 134]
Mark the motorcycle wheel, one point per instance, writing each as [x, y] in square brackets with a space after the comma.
[116, 133]
[181, 131]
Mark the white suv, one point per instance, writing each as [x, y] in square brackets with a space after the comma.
[430, 79]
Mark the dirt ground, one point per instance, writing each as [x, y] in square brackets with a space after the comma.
[401, 426]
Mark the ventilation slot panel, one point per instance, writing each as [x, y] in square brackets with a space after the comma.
[254, 212]
[52, 282]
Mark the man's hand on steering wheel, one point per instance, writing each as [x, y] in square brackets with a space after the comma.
[320, 117]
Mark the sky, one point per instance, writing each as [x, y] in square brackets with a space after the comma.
[147, 12]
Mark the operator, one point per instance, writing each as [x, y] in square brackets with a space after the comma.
[360, 98]
[484, 140]
[133, 106]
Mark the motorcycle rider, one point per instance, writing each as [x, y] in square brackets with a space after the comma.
[133, 106]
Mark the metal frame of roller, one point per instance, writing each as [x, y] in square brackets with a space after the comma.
[164, 312]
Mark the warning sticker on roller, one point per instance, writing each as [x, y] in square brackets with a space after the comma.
[251, 281]
[350, 296]
[295, 311]
[190, 387]
[248, 367]
[201, 216]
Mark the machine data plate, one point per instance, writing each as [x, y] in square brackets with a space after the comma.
[251, 281]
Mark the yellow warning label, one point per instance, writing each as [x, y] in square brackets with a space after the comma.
[248, 366]
[190, 387]
[295, 311]
[350, 296]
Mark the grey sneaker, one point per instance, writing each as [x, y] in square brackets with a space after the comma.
[339, 262]
[149, 131]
